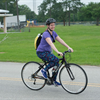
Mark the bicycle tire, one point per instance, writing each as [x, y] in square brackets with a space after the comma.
[73, 78]
[28, 71]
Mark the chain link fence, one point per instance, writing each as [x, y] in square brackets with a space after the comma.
[73, 23]
[13, 27]
[23, 27]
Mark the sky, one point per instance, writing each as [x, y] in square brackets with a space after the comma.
[33, 4]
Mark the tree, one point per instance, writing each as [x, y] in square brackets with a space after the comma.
[57, 11]
[96, 12]
[8, 5]
[4, 4]
[91, 11]
[76, 6]
[71, 6]
[42, 11]
[50, 8]
[25, 10]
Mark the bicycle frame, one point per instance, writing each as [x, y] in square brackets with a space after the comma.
[57, 69]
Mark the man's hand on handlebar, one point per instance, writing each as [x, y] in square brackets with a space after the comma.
[70, 49]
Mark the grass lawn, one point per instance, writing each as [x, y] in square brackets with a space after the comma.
[85, 40]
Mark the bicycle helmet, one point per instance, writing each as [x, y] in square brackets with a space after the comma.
[50, 20]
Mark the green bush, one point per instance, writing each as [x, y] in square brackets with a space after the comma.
[1, 30]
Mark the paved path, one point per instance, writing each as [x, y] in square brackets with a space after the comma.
[12, 88]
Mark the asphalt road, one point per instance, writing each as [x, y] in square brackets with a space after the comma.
[12, 87]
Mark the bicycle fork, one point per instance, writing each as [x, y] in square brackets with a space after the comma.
[69, 72]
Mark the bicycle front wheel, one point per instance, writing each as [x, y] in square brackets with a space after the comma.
[73, 78]
[32, 77]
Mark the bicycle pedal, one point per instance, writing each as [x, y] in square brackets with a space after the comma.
[55, 84]
[49, 82]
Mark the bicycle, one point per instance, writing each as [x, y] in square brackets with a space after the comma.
[72, 77]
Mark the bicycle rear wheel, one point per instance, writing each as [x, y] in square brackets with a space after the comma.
[32, 77]
[73, 78]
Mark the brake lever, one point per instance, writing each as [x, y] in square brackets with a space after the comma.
[69, 51]
[58, 54]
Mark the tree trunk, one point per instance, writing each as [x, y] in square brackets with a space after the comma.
[66, 18]
[50, 12]
[69, 15]
[97, 22]
[64, 22]
[6, 5]
[50, 9]
[17, 13]
[73, 17]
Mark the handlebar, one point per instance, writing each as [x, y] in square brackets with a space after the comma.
[65, 52]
